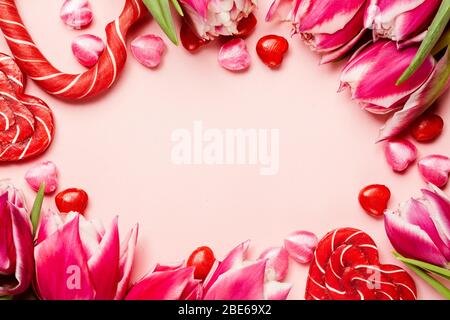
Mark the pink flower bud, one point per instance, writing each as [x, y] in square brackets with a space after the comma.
[44, 172]
[234, 55]
[87, 49]
[301, 246]
[435, 169]
[400, 153]
[76, 14]
[148, 50]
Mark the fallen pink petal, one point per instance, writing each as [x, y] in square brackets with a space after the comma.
[400, 154]
[234, 55]
[45, 172]
[435, 169]
[301, 245]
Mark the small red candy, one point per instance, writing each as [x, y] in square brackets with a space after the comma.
[374, 199]
[72, 199]
[246, 26]
[427, 128]
[202, 259]
[190, 41]
[271, 50]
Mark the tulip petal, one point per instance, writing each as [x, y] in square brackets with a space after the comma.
[410, 240]
[246, 283]
[440, 213]
[400, 153]
[23, 245]
[274, 290]
[61, 269]
[7, 250]
[375, 71]
[324, 16]
[301, 246]
[193, 291]
[104, 264]
[418, 214]
[435, 169]
[165, 285]
[419, 101]
[233, 259]
[127, 250]
[200, 6]
[277, 263]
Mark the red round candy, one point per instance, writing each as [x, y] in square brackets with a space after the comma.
[202, 259]
[72, 199]
[190, 41]
[271, 50]
[374, 199]
[246, 26]
[427, 128]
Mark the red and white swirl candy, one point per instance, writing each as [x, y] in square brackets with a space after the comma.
[26, 122]
[63, 85]
[346, 267]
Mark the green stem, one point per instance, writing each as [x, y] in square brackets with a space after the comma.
[439, 287]
[443, 42]
[6, 298]
[434, 33]
[424, 265]
[160, 10]
[37, 206]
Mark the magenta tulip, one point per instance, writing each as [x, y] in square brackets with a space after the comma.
[213, 18]
[330, 27]
[77, 259]
[16, 244]
[400, 20]
[420, 229]
[234, 278]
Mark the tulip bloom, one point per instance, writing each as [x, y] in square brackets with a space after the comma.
[330, 27]
[234, 278]
[16, 244]
[78, 259]
[213, 18]
[420, 229]
[372, 73]
[400, 20]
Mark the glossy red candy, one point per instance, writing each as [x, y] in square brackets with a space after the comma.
[72, 199]
[427, 127]
[190, 41]
[374, 199]
[202, 259]
[271, 50]
[246, 26]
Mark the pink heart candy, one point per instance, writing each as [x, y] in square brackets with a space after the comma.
[400, 153]
[77, 14]
[435, 169]
[148, 50]
[43, 172]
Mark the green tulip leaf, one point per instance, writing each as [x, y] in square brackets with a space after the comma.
[438, 286]
[160, 10]
[424, 265]
[37, 206]
[434, 33]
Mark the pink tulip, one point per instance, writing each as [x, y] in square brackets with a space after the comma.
[331, 28]
[78, 259]
[421, 99]
[420, 229]
[372, 74]
[16, 243]
[400, 20]
[234, 278]
[213, 18]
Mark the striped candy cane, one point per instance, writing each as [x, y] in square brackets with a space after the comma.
[346, 267]
[63, 85]
[26, 122]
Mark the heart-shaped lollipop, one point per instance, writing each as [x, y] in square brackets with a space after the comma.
[346, 267]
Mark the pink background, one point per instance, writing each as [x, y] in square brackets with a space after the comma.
[117, 147]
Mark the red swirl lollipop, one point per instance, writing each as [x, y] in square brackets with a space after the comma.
[63, 85]
[346, 267]
[26, 122]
